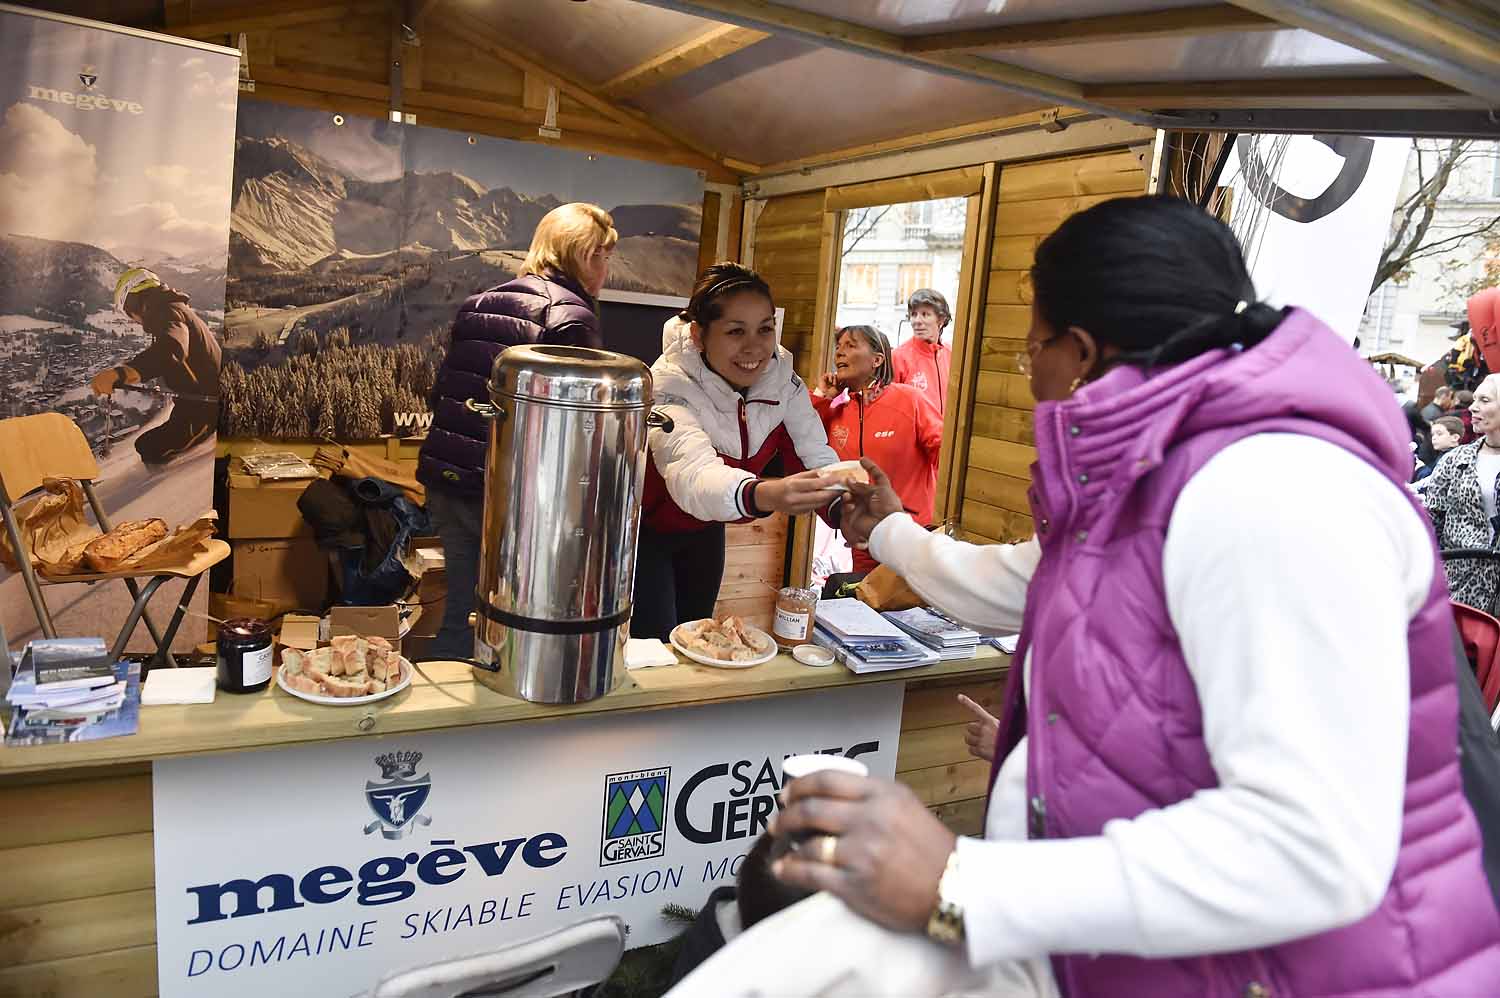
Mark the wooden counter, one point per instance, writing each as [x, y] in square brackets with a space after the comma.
[77, 906]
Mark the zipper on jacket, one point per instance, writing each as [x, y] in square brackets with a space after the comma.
[744, 432]
[861, 398]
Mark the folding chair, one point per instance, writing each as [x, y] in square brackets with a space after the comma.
[558, 963]
[50, 445]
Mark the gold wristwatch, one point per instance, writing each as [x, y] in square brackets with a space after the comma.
[946, 923]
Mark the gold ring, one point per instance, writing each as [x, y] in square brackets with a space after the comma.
[828, 850]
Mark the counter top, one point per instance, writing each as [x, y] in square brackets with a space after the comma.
[445, 697]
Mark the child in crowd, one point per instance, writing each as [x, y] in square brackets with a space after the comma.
[756, 895]
[1447, 433]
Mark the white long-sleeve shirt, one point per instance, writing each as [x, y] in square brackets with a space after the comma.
[1292, 569]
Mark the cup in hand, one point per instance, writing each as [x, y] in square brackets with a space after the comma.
[797, 766]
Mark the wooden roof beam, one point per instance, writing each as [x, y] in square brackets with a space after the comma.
[1405, 34]
[1332, 92]
[1114, 27]
[695, 53]
[490, 41]
[765, 15]
[222, 21]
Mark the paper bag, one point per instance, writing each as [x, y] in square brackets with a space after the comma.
[883, 589]
[54, 529]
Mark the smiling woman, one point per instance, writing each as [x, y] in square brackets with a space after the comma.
[737, 405]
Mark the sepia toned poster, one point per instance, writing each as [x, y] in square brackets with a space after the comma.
[116, 153]
[354, 241]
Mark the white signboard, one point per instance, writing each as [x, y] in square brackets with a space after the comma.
[318, 870]
[1312, 213]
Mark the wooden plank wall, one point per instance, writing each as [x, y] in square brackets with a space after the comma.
[1033, 198]
[77, 901]
[788, 241]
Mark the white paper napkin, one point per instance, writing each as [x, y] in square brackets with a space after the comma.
[165, 685]
[643, 653]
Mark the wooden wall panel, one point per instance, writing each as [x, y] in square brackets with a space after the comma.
[933, 759]
[788, 249]
[754, 560]
[1031, 200]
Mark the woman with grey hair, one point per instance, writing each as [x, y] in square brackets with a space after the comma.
[1460, 498]
[923, 361]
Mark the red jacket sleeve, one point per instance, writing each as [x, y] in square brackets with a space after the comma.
[929, 427]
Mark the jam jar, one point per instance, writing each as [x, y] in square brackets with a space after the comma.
[244, 655]
[795, 614]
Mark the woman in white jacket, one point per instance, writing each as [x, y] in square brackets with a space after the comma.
[737, 405]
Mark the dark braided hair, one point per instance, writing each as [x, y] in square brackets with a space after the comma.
[1157, 278]
[715, 284]
[875, 339]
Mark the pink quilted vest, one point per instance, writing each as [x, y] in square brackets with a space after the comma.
[1105, 662]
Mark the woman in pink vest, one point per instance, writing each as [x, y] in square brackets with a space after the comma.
[1226, 761]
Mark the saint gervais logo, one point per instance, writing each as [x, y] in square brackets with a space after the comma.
[88, 77]
[397, 801]
[635, 808]
[1354, 150]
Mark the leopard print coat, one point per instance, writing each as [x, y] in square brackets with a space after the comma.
[1453, 501]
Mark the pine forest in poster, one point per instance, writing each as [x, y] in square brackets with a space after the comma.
[355, 240]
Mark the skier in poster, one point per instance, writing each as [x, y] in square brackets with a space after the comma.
[183, 355]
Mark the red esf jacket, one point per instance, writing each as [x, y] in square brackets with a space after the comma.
[924, 366]
[898, 429]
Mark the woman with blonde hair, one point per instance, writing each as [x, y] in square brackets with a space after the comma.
[552, 301]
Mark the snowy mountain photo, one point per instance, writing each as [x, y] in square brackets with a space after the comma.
[352, 238]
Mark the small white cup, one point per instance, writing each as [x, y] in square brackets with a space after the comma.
[803, 765]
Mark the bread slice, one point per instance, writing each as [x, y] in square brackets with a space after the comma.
[107, 553]
[841, 473]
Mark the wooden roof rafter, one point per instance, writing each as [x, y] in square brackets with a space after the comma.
[712, 45]
[489, 40]
[1171, 23]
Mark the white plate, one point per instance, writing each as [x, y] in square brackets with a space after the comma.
[720, 663]
[406, 671]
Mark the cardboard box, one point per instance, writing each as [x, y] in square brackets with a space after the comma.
[432, 595]
[265, 509]
[289, 574]
[391, 622]
[299, 631]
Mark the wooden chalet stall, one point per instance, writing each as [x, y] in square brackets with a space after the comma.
[798, 113]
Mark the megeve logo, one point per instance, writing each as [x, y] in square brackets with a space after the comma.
[85, 101]
[382, 880]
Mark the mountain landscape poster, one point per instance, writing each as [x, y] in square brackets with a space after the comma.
[354, 241]
[115, 167]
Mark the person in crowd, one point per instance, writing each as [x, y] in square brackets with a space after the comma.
[755, 896]
[1227, 762]
[737, 405]
[1442, 402]
[183, 354]
[552, 301]
[1465, 399]
[1447, 432]
[923, 360]
[866, 415]
[1423, 455]
[1460, 497]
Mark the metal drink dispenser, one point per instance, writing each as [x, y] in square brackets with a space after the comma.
[562, 507]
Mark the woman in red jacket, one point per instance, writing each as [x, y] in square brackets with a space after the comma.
[867, 415]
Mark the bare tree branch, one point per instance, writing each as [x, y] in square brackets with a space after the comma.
[863, 225]
[1415, 216]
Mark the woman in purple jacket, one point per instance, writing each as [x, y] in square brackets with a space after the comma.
[551, 302]
[1227, 760]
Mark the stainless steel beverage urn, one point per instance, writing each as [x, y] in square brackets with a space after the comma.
[562, 507]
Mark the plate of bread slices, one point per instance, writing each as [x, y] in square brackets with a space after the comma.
[730, 643]
[347, 671]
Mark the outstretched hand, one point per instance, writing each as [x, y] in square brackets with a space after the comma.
[868, 505]
[980, 734]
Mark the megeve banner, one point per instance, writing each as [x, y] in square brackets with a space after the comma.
[318, 870]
